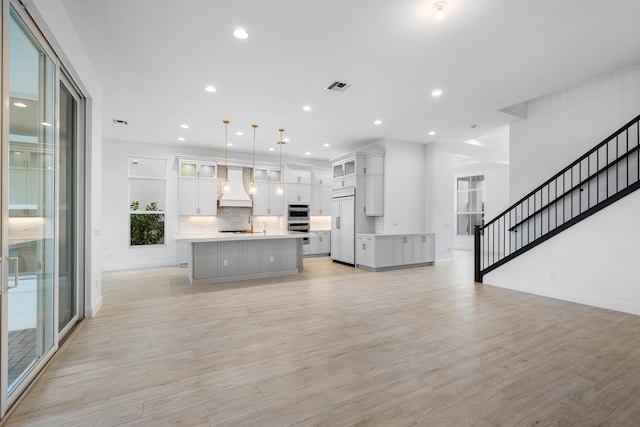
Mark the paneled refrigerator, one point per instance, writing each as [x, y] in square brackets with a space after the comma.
[343, 231]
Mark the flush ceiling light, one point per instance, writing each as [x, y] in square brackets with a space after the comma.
[327, 144]
[20, 104]
[210, 89]
[240, 33]
[239, 133]
[306, 108]
[436, 93]
[439, 6]
[286, 140]
[272, 149]
[181, 139]
[229, 144]
[377, 122]
[184, 126]
[432, 132]
[308, 153]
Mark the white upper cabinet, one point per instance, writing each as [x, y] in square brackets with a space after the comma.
[374, 184]
[197, 188]
[297, 185]
[297, 176]
[320, 192]
[267, 201]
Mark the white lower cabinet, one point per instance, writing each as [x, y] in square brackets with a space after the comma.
[319, 243]
[376, 252]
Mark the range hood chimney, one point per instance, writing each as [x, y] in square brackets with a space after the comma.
[237, 195]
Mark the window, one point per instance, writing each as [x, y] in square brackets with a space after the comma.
[470, 203]
[147, 187]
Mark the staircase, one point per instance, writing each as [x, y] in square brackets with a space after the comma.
[603, 175]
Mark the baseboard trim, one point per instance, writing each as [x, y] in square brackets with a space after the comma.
[559, 294]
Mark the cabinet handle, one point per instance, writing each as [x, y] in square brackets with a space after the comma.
[198, 210]
[343, 183]
[338, 222]
[5, 280]
[404, 240]
[320, 239]
[364, 247]
[268, 211]
[320, 211]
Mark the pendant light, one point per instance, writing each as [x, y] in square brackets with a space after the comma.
[225, 186]
[252, 188]
[280, 190]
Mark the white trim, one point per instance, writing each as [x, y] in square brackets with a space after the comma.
[564, 295]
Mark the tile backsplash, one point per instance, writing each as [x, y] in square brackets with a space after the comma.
[229, 219]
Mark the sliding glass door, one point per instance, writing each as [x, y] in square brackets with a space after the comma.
[41, 249]
[29, 216]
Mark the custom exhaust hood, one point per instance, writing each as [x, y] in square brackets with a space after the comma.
[236, 196]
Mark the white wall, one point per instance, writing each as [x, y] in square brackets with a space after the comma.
[439, 198]
[564, 125]
[496, 182]
[593, 262]
[53, 21]
[404, 187]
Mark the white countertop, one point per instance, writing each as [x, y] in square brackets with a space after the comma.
[391, 234]
[231, 237]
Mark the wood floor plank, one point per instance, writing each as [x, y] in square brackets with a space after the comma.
[338, 346]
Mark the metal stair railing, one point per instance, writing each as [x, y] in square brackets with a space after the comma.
[603, 175]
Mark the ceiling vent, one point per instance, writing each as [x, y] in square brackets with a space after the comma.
[120, 122]
[338, 86]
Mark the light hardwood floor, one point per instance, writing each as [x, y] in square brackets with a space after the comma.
[337, 346]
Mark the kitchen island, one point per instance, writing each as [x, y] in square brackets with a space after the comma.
[225, 257]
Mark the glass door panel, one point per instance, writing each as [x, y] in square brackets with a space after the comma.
[30, 214]
[67, 209]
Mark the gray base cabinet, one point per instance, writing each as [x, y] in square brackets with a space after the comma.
[386, 252]
[214, 262]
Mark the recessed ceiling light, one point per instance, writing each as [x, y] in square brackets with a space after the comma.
[45, 124]
[327, 144]
[377, 122]
[240, 33]
[286, 140]
[239, 133]
[271, 149]
[306, 108]
[20, 104]
[436, 93]
[229, 144]
[181, 139]
[432, 132]
[210, 89]
[308, 153]
[184, 126]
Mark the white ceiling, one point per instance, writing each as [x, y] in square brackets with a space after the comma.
[154, 58]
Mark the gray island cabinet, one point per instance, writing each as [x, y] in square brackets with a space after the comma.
[225, 257]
